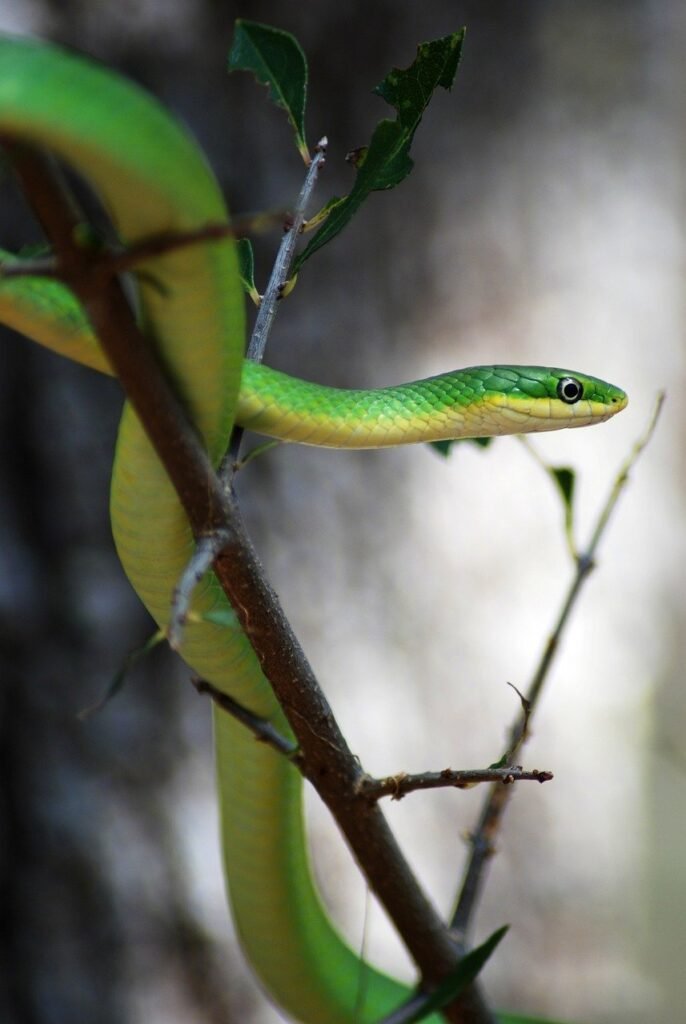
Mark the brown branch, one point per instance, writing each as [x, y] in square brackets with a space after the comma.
[261, 728]
[482, 841]
[130, 354]
[398, 786]
[328, 763]
[157, 245]
[114, 259]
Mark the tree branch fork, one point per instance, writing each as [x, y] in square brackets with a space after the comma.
[367, 788]
[212, 510]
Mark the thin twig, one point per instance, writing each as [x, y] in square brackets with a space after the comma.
[254, 453]
[398, 786]
[206, 550]
[482, 841]
[265, 317]
[261, 728]
[157, 245]
[116, 259]
[270, 300]
[284, 258]
[120, 677]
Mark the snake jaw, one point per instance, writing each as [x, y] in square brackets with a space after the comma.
[524, 414]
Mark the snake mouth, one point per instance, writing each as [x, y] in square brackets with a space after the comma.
[606, 410]
[536, 415]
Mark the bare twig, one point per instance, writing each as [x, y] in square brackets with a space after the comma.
[270, 299]
[398, 786]
[254, 453]
[482, 841]
[206, 550]
[210, 546]
[284, 258]
[118, 259]
[262, 729]
[119, 678]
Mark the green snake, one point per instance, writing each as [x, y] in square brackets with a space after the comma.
[152, 179]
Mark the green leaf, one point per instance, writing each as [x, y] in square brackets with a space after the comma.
[246, 268]
[467, 970]
[277, 61]
[565, 478]
[444, 447]
[386, 161]
[409, 90]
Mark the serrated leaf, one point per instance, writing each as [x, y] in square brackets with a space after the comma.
[409, 90]
[277, 61]
[246, 268]
[444, 447]
[387, 159]
[565, 478]
[467, 970]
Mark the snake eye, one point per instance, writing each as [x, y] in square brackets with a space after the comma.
[569, 390]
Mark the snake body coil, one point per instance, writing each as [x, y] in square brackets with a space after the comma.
[152, 179]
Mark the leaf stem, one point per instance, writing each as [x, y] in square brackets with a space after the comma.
[118, 259]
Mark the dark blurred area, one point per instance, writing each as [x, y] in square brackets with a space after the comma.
[109, 873]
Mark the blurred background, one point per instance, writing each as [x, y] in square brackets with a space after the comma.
[544, 222]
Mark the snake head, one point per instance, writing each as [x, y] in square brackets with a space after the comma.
[538, 398]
